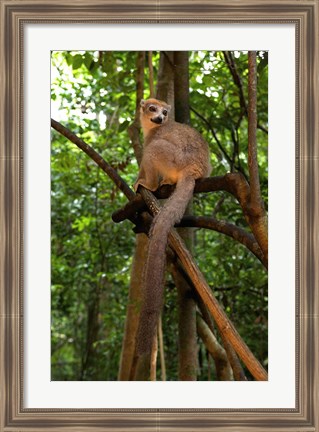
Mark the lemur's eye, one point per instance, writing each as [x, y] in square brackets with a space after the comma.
[152, 108]
[165, 113]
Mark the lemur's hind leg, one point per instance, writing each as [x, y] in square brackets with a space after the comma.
[148, 177]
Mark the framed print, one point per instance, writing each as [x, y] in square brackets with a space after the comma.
[41, 41]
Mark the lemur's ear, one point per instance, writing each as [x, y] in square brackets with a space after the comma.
[169, 108]
[142, 103]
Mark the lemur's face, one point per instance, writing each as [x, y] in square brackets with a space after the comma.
[154, 111]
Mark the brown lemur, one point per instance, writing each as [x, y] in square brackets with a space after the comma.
[174, 153]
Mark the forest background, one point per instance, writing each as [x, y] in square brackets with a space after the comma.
[96, 263]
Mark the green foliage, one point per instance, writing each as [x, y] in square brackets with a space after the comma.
[94, 95]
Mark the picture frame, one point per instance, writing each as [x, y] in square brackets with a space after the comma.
[14, 15]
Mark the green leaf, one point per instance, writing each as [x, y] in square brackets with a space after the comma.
[123, 126]
[77, 61]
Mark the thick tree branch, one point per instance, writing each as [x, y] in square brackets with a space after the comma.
[233, 183]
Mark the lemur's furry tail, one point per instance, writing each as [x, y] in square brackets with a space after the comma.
[171, 213]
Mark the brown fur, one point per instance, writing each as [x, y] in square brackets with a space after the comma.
[174, 153]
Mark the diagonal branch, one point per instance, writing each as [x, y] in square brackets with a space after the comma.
[111, 172]
[223, 323]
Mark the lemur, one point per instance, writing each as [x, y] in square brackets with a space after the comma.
[174, 153]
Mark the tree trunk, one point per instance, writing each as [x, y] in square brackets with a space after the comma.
[165, 82]
[187, 343]
[165, 90]
[93, 327]
[133, 308]
[181, 87]
[135, 294]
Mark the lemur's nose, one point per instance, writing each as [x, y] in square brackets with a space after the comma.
[158, 119]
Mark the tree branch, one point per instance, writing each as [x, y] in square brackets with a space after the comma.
[233, 183]
[255, 199]
[223, 369]
[161, 348]
[231, 230]
[231, 354]
[223, 323]
[111, 172]
[237, 79]
[255, 207]
[262, 128]
[238, 371]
